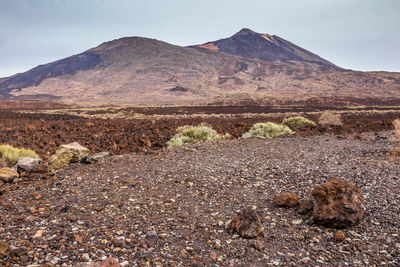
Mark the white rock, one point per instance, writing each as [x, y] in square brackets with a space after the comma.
[85, 257]
[299, 221]
[124, 263]
[27, 163]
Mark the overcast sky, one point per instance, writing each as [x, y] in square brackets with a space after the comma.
[355, 34]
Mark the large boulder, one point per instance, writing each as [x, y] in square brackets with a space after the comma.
[247, 224]
[67, 154]
[27, 164]
[7, 175]
[337, 203]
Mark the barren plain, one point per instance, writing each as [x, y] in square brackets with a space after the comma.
[146, 205]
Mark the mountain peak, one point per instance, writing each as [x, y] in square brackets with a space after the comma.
[245, 31]
[249, 44]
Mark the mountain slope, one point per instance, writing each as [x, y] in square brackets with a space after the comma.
[249, 44]
[136, 70]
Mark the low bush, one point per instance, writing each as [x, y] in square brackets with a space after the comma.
[11, 154]
[329, 118]
[298, 123]
[202, 132]
[267, 130]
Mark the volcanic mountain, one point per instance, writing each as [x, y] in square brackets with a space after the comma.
[247, 66]
[249, 44]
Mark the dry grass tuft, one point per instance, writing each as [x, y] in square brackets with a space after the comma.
[188, 134]
[298, 123]
[267, 130]
[10, 154]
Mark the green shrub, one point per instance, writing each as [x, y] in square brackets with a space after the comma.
[11, 154]
[202, 132]
[267, 130]
[298, 123]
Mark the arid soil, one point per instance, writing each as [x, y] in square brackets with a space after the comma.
[168, 207]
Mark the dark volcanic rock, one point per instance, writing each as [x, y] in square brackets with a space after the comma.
[305, 206]
[337, 203]
[178, 89]
[95, 157]
[247, 224]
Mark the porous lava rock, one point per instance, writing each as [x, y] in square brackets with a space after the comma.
[337, 203]
[67, 154]
[286, 200]
[110, 262]
[7, 175]
[247, 224]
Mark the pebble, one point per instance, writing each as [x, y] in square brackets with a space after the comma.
[339, 236]
[296, 222]
[217, 244]
[55, 261]
[38, 234]
[258, 245]
[151, 233]
[228, 224]
[85, 257]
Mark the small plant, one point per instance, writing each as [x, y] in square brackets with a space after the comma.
[202, 132]
[298, 123]
[11, 154]
[267, 130]
[329, 118]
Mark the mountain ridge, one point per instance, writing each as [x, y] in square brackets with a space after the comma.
[137, 70]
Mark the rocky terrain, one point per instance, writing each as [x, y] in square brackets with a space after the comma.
[146, 205]
[248, 66]
[148, 129]
[171, 208]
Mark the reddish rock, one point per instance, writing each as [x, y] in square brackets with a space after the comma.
[337, 203]
[110, 262]
[4, 249]
[247, 224]
[286, 200]
[339, 236]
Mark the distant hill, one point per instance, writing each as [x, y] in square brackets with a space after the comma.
[246, 67]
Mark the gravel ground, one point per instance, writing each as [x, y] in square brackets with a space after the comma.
[170, 208]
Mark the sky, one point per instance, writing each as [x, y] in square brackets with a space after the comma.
[353, 34]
